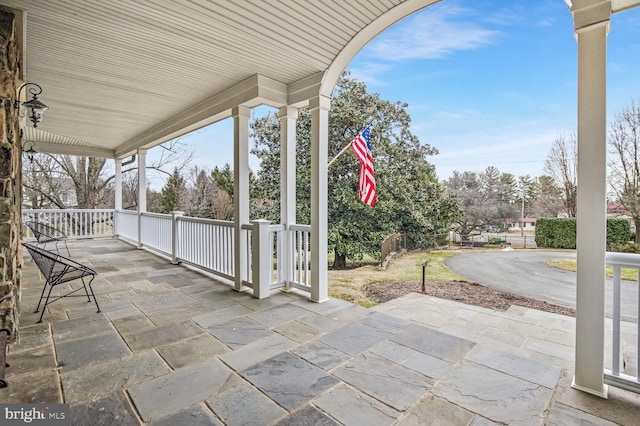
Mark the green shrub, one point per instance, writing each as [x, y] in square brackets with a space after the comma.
[554, 232]
[561, 232]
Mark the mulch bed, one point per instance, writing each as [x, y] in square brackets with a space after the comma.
[464, 292]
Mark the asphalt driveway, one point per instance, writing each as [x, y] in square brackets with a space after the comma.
[525, 272]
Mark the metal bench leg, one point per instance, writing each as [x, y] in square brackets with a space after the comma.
[44, 308]
[85, 290]
[67, 247]
[41, 296]
[93, 294]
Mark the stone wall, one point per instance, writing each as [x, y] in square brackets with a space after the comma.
[10, 179]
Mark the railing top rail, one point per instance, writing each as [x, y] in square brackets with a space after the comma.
[298, 227]
[276, 227]
[631, 260]
[158, 215]
[247, 226]
[226, 223]
[67, 210]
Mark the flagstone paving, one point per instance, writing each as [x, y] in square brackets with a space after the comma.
[176, 347]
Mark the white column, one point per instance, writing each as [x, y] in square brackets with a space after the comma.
[288, 117]
[142, 190]
[240, 189]
[118, 185]
[591, 211]
[175, 235]
[142, 180]
[319, 108]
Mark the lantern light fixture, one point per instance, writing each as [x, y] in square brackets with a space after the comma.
[35, 107]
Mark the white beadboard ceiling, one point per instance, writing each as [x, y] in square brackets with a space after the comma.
[113, 73]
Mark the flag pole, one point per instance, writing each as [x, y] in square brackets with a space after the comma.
[339, 154]
[345, 148]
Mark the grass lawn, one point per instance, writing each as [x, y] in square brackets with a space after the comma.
[570, 265]
[348, 284]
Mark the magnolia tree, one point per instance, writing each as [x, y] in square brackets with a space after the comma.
[410, 198]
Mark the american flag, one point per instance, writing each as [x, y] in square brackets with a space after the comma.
[361, 146]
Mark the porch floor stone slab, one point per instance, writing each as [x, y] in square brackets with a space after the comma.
[80, 352]
[289, 380]
[245, 405]
[352, 408]
[355, 338]
[176, 347]
[110, 410]
[495, 395]
[380, 378]
[197, 415]
[170, 393]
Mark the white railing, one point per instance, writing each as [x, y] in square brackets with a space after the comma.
[156, 233]
[615, 376]
[300, 270]
[208, 244]
[127, 225]
[76, 223]
[269, 268]
[203, 243]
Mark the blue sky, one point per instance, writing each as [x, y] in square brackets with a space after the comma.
[488, 83]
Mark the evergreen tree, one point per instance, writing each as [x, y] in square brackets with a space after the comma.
[172, 194]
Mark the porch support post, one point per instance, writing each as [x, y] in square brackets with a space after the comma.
[240, 190]
[175, 235]
[142, 180]
[319, 108]
[142, 190]
[118, 185]
[591, 25]
[288, 116]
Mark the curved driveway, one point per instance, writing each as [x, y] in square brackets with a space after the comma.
[525, 273]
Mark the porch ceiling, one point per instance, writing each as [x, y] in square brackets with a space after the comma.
[119, 75]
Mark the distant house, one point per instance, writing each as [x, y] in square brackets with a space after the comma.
[526, 224]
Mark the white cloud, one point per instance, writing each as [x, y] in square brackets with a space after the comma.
[431, 34]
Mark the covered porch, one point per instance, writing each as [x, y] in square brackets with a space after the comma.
[161, 71]
[174, 346]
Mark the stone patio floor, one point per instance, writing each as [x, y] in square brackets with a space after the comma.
[175, 347]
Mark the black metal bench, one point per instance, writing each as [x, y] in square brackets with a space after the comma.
[57, 270]
[45, 234]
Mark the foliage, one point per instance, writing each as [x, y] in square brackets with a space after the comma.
[618, 231]
[561, 232]
[561, 165]
[486, 199]
[556, 233]
[64, 181]
[624, 164]
[410, 199]
[172, 194]
[628, 247]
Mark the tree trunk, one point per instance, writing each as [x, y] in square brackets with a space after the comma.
[340, 260]
[636, 222]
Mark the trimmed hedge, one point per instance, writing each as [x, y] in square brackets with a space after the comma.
[554, 232]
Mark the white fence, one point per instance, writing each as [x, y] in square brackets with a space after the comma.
[616, 376]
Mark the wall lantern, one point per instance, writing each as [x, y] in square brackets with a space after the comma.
[35, 107]
[29, 152]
